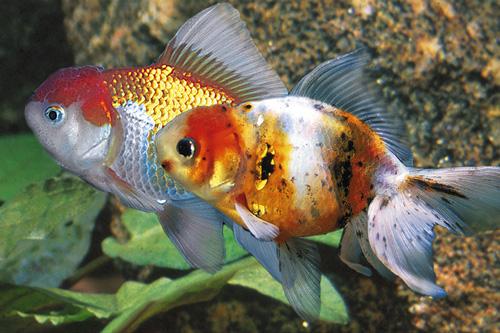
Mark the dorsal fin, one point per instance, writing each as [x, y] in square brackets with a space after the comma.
[343, 83]
[216, 45]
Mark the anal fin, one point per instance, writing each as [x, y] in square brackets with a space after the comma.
[355, 243]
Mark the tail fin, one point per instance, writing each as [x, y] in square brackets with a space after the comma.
[400, 222]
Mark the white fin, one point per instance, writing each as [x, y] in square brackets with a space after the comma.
[264, 251]
[258, 227]
[355, 242]
[350, 251]
[400, 225]
[216, 45]
[196, 229]
[467, 198]
[344, 83]
[301, 277]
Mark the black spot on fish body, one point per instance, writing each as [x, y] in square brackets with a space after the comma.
[344, 219]
[359, 233]
[349, 147]
[318, 107]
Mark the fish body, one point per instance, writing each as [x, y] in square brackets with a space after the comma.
[302, 165]
[327, 156]
[100, 124]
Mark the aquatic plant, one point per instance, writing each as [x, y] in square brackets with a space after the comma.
[47, 218]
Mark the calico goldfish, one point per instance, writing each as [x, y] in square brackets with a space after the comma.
[100, 124]
[328, 156]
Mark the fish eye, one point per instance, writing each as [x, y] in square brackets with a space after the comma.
[186, 147]
[54, 113]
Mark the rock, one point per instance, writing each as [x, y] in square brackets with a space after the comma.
[120, 33]
[32, 45]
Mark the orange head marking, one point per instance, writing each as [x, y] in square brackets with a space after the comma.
[82, 86]
[202, 150]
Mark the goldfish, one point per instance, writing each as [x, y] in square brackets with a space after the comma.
[100, 124]
[328, 156]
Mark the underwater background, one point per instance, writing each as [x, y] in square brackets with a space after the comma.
[437, 64]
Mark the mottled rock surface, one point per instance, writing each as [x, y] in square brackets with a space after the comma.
[32, 45]
[437, 63]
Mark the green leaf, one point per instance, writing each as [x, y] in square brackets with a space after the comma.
[136, 302]
[24, 162]
[330, 239]
[333, 308]
[149, 245]
[46, 231]
[25, 308]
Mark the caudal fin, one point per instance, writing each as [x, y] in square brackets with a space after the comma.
[401, 221]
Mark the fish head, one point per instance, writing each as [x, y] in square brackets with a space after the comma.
[202, 150]
[72, 116]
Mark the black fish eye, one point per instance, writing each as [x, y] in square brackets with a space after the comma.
[186, 147]
[54, 113]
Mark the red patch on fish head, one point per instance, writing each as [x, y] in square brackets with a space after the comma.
[81, 85]
[215, 132]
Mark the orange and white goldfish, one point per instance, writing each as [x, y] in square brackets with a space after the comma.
[100, 124]
[326, 157]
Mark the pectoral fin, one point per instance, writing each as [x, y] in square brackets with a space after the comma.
[195, 228]
[258, 227]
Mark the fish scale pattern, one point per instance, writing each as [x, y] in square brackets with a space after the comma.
[136, 163]
[147, 98]
[164, 91]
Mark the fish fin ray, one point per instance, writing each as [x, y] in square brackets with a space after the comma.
[258, 227]
[350, 251]
[196, 229]
[467, 198]
[216, 45]
[403, 242]
[301, 277]
[360, 225]
[264, 251]
[128, 196]
[344, 83]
